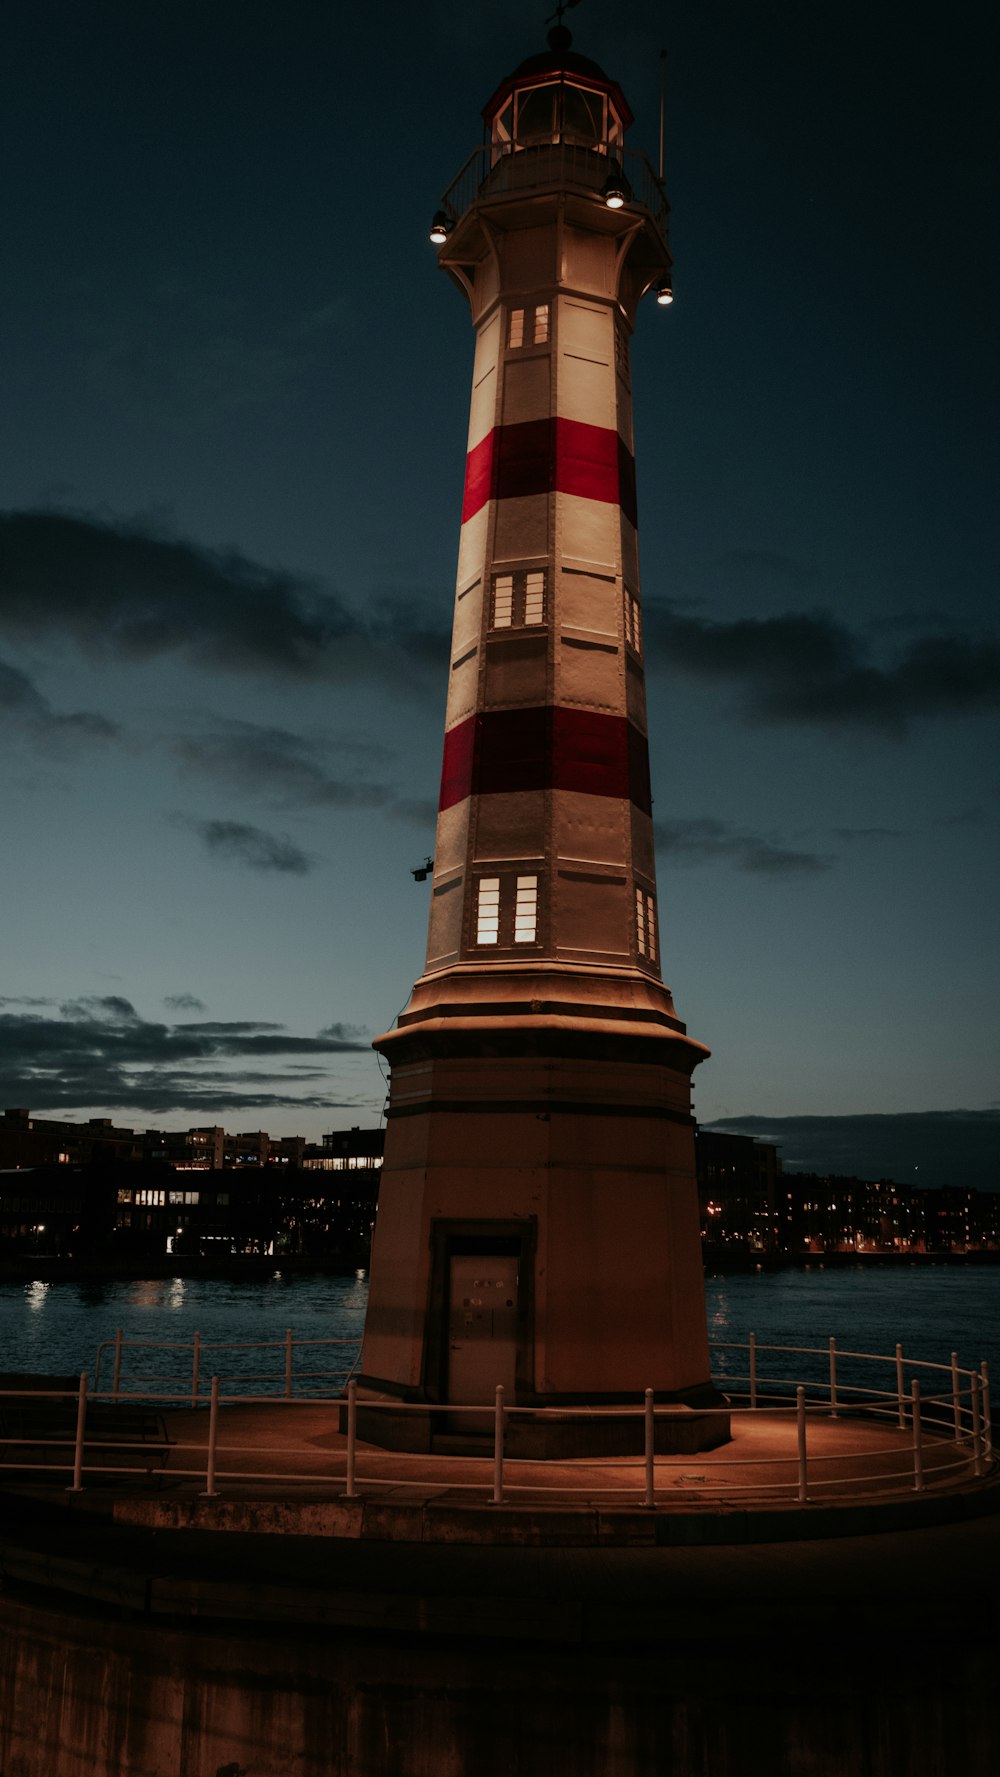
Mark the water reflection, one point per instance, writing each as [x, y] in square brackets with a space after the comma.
[35, 1294]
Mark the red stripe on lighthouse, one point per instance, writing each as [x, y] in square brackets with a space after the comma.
[500, 752]
[537, 456]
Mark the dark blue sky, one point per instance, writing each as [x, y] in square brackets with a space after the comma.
[233, 398]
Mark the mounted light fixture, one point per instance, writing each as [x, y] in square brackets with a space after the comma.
[665, 293]
[615, 191]
[441, 228]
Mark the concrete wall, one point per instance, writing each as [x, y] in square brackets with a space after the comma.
[89, 1695]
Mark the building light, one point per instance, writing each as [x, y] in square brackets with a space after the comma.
[441, 228]
[665, 293]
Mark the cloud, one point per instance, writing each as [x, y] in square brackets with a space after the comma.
[183, 1002]
[925, 1148]
[864, 835]
[290, 771]
[811, 669]
[121, 591]
[101, 1052]
[24, 709]
[286, 768]
[708, 841]
[236, 842]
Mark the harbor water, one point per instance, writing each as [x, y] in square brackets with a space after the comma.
[59, 1328]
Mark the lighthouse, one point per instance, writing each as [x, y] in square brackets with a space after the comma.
[538, 1222]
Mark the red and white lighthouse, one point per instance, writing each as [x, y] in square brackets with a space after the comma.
[538, 1222]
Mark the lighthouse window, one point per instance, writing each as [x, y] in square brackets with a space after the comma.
[633, 623]
[526, 910]
[518, 599]
[645, 924]
[528, 327]
[506, 910]
[534, 598]
[536, 116]
[503, 601]
[488, 910]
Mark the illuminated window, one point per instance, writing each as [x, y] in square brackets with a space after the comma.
[633, 623]
[152, 1199]
[519, 599]
[645, 924]
[488, 910]
[503, 601]
[526, 910]
[534, 598]
[528, 327]
[506, 910]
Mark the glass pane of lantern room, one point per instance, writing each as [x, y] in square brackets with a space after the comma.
[583, 117]
[536, 116]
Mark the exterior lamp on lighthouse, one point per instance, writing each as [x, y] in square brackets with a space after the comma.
[665, 293]
[615, 190]
[441, 227]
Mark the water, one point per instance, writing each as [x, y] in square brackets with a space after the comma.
[56, 1328]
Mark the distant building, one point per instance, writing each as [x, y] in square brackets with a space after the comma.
[738, 1180]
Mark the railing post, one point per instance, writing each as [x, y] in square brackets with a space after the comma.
[833, 1377]
[497, 1499]
[900, 1397]
[800, 1423]
[956, 1398]
[213, 1435]
[116, 1380]
[753, 1370]
[918, 1453]
[987, 1411]
[350, 1491]
[195, 1368]
[977, 1434]
[81, 1420]
[288, 1363]
[649, 1446]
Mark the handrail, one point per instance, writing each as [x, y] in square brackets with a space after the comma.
[931, 1459]
[486, 177]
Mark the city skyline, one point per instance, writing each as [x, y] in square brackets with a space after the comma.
[232, 449]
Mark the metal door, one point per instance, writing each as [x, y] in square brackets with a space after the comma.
[482, 1329]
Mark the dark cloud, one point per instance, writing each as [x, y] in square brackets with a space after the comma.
[24, 709]
[103, 1053]
[284, 768]
[863, 835]
[708, 841]
[236, 842]
[812, 669]
[183, 1002]
[291, 770]
[925, 1148]
[119, 590]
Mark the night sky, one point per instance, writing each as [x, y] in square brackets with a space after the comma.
[233, 406]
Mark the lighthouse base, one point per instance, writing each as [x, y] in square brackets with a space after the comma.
[681, 1427]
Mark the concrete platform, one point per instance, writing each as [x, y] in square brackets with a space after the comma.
[281, 1469]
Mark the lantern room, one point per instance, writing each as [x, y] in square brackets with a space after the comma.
[558, 97]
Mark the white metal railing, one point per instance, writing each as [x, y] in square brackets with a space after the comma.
[486, 175]
[950, 1440]
[285, 1379]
